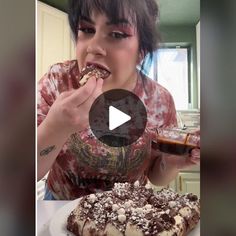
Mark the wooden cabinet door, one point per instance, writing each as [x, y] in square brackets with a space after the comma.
[188, 183]
[54, 40]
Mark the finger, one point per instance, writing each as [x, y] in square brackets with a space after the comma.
[187, 162]
[82, 94]
[179, 161]
[97, 92]
[155, 153]
[195, 162]
[195, 153]
[66, 94]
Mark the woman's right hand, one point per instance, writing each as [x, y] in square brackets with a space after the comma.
[70, 112]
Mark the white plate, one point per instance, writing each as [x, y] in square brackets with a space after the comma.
[195, 231]
[57, 226]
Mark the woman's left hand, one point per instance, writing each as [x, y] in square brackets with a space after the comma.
[167, 166]
[193, 158]
[189, 160]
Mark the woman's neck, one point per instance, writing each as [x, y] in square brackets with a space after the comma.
[131, 83]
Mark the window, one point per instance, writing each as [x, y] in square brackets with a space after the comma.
[170, 67]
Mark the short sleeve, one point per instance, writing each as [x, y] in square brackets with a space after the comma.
[60, 77]
[171, 117]
[46, 95]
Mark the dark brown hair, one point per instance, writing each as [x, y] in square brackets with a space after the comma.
[142, 13]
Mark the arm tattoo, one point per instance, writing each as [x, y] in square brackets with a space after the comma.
[47, 150]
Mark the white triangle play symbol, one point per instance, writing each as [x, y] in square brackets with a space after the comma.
[117, 118]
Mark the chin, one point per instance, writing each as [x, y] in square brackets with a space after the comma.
[106, 88]
[108, 84]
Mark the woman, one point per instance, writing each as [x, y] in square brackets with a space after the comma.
[117, 35]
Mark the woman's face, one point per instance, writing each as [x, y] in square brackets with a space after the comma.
[113, 46]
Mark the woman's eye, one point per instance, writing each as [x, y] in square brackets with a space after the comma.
[119, 35]
[87, 30]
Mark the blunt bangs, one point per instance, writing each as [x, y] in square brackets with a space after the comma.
[113, 9]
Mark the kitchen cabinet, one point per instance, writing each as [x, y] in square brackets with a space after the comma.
[187, 181]
[54, 41]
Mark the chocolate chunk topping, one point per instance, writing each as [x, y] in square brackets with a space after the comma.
[192, 197]
[147, 212]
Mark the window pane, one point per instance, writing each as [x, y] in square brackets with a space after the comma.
[172, 69]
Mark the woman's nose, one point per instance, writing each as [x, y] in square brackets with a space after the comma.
[95, 46]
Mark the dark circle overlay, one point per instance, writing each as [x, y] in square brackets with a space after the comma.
[126, 102]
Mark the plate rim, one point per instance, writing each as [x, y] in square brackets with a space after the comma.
[55, 223]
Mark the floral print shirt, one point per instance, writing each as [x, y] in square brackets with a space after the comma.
[85, 165]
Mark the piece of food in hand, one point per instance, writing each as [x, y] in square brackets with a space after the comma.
[132, 209]
[176, 141]
[91, 71]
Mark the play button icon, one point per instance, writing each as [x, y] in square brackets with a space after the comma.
[118, 118]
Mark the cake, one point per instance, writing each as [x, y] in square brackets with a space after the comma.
[90, 71]
[134, 210]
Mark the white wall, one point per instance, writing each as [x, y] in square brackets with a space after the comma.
[54, 43]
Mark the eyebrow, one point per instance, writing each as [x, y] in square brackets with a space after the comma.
[118, 22]
[85, 18]
[122, 21]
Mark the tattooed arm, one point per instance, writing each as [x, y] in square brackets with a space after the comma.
[47, 150]
[50, 143]
[67, 115]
